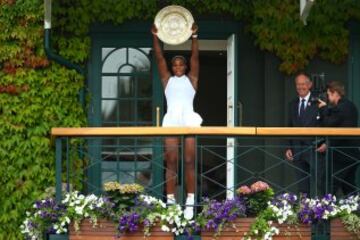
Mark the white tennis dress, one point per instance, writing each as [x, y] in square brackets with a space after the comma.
[180, 95]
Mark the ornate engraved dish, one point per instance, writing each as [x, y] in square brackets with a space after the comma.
[174, 24]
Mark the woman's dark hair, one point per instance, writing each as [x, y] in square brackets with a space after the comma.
[335, 86]
[182, 58]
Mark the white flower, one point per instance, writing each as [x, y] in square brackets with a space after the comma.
[165, 228]
[275, 230]
[79, 210]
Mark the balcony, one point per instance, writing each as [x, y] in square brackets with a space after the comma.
[226, 158]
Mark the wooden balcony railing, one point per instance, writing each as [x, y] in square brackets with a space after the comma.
[260, 143]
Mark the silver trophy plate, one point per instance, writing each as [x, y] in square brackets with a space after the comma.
[174, 24]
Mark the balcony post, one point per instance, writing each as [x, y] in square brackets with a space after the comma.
[58, 188]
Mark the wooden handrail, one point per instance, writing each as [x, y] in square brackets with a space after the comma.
[287, 131]
[219, 131]
[151, 131]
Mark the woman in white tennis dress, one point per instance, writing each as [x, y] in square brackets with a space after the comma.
[180, 95]
[180, 90]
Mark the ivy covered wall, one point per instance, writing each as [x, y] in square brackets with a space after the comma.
[37, 94]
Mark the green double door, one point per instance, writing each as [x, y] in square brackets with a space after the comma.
[124, 91]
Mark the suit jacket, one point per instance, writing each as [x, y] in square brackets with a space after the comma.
[311, 118]
[344, 114]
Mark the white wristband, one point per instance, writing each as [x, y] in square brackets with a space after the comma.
[194, 36]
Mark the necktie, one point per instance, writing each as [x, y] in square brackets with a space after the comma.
[302, 108]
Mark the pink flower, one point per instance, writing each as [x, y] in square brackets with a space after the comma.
[243, 190]
[259, 186]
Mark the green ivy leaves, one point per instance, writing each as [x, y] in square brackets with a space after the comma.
[50, 96]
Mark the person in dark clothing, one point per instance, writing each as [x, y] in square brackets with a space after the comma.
[341, 112]
[304, 113]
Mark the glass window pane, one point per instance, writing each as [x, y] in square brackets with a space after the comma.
[126, 87]
[146, 142]
[105, 52]
[125, 144]
[109, 87]
[144, 86]
[126, 110]
[127, 177]
[109, 144]
[144, 110]
[144, 153]
[110, 124]
[108, 153]
[113, 61]
[143, 178]
[127, 69]
[109, 110]
[108, 176]
[139, 59]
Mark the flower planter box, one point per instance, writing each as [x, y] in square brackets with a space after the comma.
[58, 237]
[339, 232]
[242, 226]
[106, 230]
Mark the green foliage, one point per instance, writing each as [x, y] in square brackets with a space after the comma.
[275, 24]
[261, 224]
[278, 29]
[352, 223]
[258, 201]
[48, 93]
[50, 99]
[123, 195]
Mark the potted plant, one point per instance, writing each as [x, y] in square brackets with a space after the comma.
[149, 217]
[132, 216]
[42, 219]
[262, 216]
[255, 213]
[219, 218]
[346, 223]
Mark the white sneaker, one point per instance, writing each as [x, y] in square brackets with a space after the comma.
[189, 210]
[189, 213]
[170, 199]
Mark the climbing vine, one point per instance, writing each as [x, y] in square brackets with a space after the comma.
[37, 94]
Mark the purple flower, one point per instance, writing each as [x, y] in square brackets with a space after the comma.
[44, 215]
[288, 198]
[216, 213]
[129, 222]
[314, 210]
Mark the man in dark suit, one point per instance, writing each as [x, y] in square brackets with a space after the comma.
[345, 153]
[303, 112]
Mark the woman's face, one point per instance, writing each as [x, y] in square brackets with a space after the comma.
[333, 97]
[178, 67]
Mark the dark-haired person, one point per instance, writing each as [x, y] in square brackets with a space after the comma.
[341, 112]
[180, 89]
[302, 112]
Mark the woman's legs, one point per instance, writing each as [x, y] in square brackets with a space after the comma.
[190, 176]
[171, 158]
[190, 164]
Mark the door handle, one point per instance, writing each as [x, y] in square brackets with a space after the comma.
[240, 109]
[158, 116]
[229, 114]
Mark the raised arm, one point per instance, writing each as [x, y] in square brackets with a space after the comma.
[160, 60]
[194, 60]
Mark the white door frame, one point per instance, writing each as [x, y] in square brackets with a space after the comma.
[231, 114]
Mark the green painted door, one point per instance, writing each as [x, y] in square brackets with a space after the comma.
[124, 91]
